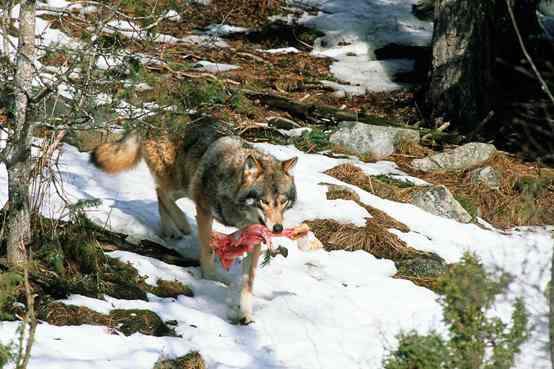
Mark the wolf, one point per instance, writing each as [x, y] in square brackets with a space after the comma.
[226, 178]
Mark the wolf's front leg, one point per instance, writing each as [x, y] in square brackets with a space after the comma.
[205, 221]
[241, 310]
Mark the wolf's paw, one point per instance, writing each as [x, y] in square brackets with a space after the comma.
[246, 320]
[238, 317]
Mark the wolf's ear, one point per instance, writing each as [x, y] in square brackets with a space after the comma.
[252, 168]
[289, 164]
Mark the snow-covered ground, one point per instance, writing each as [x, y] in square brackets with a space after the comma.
[354, 29]
[313, 310]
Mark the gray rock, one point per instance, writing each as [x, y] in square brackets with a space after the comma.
[439, 201]
[463, 157]
[486, 175]
[377, 141]
[422, 266]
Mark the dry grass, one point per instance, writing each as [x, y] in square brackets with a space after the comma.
[374, 237]
[192, 360]
[411, 150]
[525, 195]
[378, 216]
[125, 321]
[351, 174]
[175, 288]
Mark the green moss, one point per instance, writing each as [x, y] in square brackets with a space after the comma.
[6, 355]
[392, 181]
[105, 276]
[422, 267]
[126, 321]
[141, 321]
[197, 94]
[242, 105]
[418, 352]
[533, 187]
[315, 140]
[468, 293]
[469, 205]
[10, 283]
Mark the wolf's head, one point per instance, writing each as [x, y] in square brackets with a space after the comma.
[267, 190]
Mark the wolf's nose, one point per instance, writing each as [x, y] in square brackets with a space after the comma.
[278, 228]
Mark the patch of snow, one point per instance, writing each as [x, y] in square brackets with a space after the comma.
[313, 309]
[295, 132]
[210, 67]
[106, 62]
[354, 29]
[135, 32]
[204, 40]
[224, 30]
[546, 7]
[410, 180]
[282, 50]
[368, 75]
[140, 87]
[172, 15]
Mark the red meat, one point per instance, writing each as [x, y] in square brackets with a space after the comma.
[228, 247]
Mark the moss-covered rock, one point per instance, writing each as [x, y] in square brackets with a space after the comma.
[140, 320]
[175, 288]
[422, 267]
[126, 321]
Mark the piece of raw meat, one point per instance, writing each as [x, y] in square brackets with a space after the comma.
[228, 247]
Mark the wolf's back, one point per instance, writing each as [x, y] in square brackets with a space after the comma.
[115, 157]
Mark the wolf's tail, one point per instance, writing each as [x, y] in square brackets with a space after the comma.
[118, 156]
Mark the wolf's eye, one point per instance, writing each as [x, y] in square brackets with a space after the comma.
[263, 203]
[249, 201]
[284, 203]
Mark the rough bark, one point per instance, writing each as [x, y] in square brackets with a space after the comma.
[17, 154]
[463, 60]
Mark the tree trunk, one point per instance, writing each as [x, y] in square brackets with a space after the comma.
[18, 153]
[463, 60]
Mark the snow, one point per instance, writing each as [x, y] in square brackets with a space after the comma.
[224, 30]
[313, 309]
[135, 32]
[211, 67]
[282, 50]
[172, 15]
[354, 29]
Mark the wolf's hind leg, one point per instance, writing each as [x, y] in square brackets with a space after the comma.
[207, 266]
[172, 226]
[173, 220]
